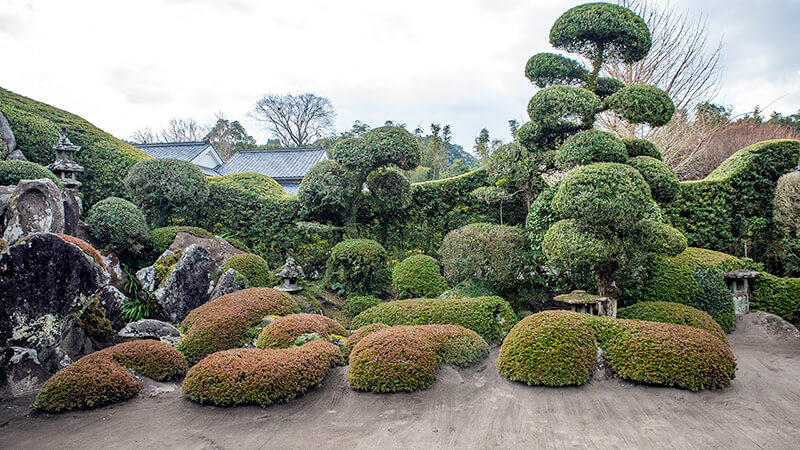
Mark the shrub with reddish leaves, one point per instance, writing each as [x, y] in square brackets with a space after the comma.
[553, 348]
[222, 324]
[360, 334]
[85, 246]
[100, 378]
[255, 376]
[405, 358]
[283, 331]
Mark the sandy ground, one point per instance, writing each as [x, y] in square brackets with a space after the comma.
[465, 408]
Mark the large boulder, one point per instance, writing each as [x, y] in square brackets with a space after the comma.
[150, 329]
[188, 285]
[219, 249]
[45, 284]
[111, 300]
[73, 207]
[23, 373]
[35, 206]
[6, 135]
[229, 282]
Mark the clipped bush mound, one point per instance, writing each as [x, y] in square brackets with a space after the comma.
[491, 317]
[356, 304]
[558, 348]
[100, 378]
[13, 171]
[283, 331]
[405, 358]
[253, 267]
[667, 312]
[357, 266]
[553, 348]
[162, 238]
[256, 376]
[167, 189]
[222, 324]
[118, 224]
[418, 277]
[360, 334]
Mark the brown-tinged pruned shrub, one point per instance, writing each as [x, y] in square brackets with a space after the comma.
[283, 331]
[85, 246]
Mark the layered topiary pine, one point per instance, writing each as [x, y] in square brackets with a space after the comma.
[405, 358]
[668, 312]
[222, 324]
[490, 317]
[100, 378]
[255, 376]
[283, 331]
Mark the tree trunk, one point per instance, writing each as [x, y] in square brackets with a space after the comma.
[605, 275]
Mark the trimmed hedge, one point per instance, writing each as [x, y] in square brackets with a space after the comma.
[35, 136]
[100, 378]
[162, 238]
[118, 224]
[667, 312]
[222, 324]
[490, 317]
[253, 267]
[558, 348]
[641, 147]
[255, 376]
[283, 331]
[775, 295]
[106, 159]
[357, 266]
[13, 171]
[418, 277]
[555, 348]
[660, 177]
[405, 358]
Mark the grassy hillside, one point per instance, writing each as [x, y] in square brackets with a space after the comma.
[105, 159]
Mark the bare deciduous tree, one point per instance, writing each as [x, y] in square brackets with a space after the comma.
[296, 120]
[681, 62]
[178, 130]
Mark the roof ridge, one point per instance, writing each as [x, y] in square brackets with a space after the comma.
[281, 149]
[174, 143]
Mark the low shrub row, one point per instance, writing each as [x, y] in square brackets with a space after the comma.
[255, 376]
[667, 312]
[283, 331]
[100, 378]
[491, 317]
[222, 324]
[405, 358]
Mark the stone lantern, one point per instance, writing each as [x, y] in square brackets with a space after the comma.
[740, 282]
[64, 167]
[291, 273]
[584, 302]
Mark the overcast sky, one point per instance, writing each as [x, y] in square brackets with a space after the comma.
[125, 66]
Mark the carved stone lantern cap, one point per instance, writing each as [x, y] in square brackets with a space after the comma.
[579, 297]
[64, 143]
[290, 270]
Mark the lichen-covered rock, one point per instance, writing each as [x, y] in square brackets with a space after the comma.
[24, 373]
[188, 285]
[111, 300]
[73, 207]
[230, 281]
[147, 278]
[35, 206]
[6, 135]
[219, 249]
[149, 329]
[5, 196]
[45, 284]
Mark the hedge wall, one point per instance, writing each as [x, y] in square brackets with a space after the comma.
[734, 202]
[105, 159]
[776, 295]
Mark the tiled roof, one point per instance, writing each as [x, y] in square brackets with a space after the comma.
[275, 163]
[290, 187]
[185, 151]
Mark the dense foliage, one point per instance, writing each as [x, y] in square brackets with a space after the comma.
[167, 189]
[667, 312]
[356, 304]
[263, 377]
[222, 324]
[660, 177]
[357, 266]
[162, 238]
[490, 317]
[283, 331]
[253, 267]
[118, 224]
[776, 295]
[591, 146]
[418, 277]
[13, 171]
[327, 191]
[35, 135]
[642, 104]
[641, 147]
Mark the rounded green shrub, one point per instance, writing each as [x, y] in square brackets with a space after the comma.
[418, 277]
[253, 267]
[590, 146]
[283, 331]
[118, 224]
[355, 304]
[568, 244]
[621, 33]
[222, 324]
[405, 358]
[715, 297]
[167, 189]
[13, 171]
[100, 378]
[642, 104]
[490, 317]
[604, 194]
[355, 154]
[264, 377]
[660, 238]
[327, 191]
[490, 252]
[357, 266]
[253, 183]
[547, 69]
[562, 108]
[162, 238]
[667, 312]
[660, 177]
[606, 87]
[641, 147]
[776, 295]
[394, 145]
[35, 135]
[360, 334]
[552, 348]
